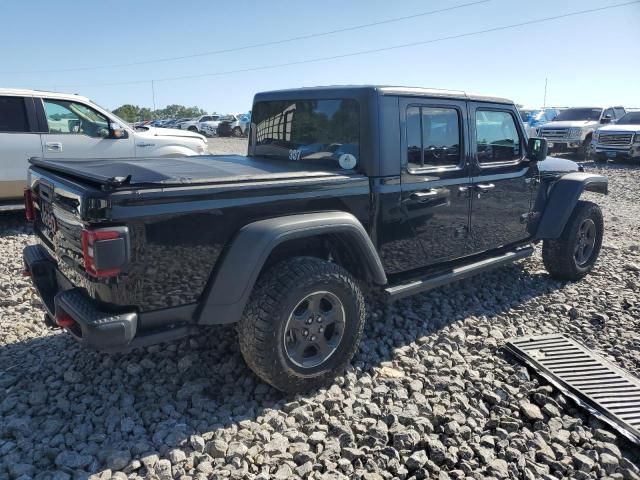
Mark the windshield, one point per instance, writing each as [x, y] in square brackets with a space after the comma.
[319, 131]
[592, 114]
[632, 118]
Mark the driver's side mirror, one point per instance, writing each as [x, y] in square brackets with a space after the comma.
[606, 119]
[117, 131]
[537, 149]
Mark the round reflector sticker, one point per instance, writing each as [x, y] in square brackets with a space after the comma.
[347, 161]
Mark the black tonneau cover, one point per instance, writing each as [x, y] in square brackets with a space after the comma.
[182, 170]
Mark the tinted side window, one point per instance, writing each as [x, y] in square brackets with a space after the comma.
[433, 137]
[497, 137]
[13, 116]
[608, 111]
[619, 112]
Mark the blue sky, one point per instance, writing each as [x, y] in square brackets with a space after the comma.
[589, 59]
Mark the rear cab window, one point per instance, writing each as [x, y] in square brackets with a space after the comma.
[13, 115]
[323, 132]
[433, 137]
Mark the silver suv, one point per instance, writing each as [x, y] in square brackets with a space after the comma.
[572, 130]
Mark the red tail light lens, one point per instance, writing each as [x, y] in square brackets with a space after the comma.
[104, 251]
[29, 210]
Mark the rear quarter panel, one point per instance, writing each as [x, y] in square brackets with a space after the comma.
[178, 235]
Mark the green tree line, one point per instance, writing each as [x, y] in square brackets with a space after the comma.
[134, 113]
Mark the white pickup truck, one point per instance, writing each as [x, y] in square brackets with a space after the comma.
[52, 125]
[572, 130]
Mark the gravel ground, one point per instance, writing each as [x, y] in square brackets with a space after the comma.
[220, 145]
[429, 394]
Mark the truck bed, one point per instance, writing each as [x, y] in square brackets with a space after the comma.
[168, 171]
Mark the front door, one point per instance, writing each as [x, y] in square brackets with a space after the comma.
[435, 177]
[502, 177]
[79, 131]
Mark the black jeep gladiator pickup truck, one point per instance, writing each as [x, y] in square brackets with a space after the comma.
[343, 188]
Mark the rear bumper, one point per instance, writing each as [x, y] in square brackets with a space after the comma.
[89, 323]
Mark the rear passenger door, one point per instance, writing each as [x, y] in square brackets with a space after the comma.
[435, 177]
[19, 140]
[502, 177]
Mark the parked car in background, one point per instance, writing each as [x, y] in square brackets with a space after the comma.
[621, 140]
[197, 124]
[178, 123]
[534, 118]
[234, 125]
[572, 130]
[50, 125]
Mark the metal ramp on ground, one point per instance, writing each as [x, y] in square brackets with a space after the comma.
[607, 391]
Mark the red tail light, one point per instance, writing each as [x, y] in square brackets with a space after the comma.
[105, 251]
[29, 211]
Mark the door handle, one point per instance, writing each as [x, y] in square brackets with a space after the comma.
[54, 146]
[423, 195]
[484, 187]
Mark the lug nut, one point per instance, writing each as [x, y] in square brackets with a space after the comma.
[313, 338]
[319, 319]
[305, 332]
[310, 321]
[321, 329]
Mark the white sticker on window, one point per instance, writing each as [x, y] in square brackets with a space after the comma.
[347, 161]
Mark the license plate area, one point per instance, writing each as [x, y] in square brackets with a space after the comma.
[47, 218]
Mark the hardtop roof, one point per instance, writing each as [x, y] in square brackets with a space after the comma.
[366, 90]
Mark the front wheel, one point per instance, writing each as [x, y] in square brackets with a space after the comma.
[302, 324]
[237, 132]
[584, 152]
[574, 254]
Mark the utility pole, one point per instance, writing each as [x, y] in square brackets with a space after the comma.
[153, 95]
[544, 102]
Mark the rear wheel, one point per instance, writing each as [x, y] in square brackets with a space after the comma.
[302, 324]
[193, 129]
[574, 254]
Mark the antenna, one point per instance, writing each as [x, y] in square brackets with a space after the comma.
[153, 95]
[544, 102]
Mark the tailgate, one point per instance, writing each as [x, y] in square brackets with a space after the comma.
[59, 205]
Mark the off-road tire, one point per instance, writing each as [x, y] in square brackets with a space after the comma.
[559, 255]
[275, 296]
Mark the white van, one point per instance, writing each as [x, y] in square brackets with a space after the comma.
[52, 125]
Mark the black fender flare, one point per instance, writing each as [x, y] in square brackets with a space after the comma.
[231, 284]
[563, 198]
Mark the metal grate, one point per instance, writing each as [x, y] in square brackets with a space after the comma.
[554, 133]
[607, 391]
[616, 139]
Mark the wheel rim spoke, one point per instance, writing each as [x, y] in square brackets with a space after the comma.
[314, 329]
[585, 244]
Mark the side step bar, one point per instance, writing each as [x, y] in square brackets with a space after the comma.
[397, 292]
